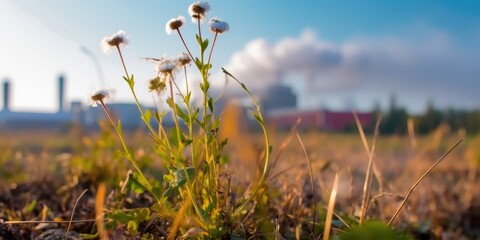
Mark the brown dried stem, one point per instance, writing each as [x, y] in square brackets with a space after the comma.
[419, 180]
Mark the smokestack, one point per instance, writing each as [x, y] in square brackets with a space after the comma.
[61, 91]
[6, 95]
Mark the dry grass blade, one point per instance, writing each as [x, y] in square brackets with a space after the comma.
[331, 206]
[35, 221]
[312, 183]
[367, 149]
[383, 194]
[285, 143]
[279, 173]
[366, 188]
[178, 219]
[411, 133]
[368, 176]
[361, 132]
[99, 201]
[73, 212]
[420, 179]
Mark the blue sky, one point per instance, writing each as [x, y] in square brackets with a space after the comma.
[333, 53]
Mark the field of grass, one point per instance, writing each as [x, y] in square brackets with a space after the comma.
[43, 175]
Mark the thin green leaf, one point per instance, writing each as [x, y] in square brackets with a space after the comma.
[210, 104]
[205, 85]
[119, 216]
[199, 63]
[187, 141]
[181, 113]
[216, 124]
[157, 189]
[204, 45]
[181, 177]
[147, 115]
[178, 110]
[258, 117]
[167, 193]
[187, 97]
[224, 142]
[141, 180]
[174, 137]
[134, 185]
[29, 208]
[130, 81]
[195, 114]
[199, 39]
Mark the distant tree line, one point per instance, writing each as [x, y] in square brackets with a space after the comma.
[395, 119]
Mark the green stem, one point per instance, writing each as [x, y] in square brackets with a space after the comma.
[194, 201]
[264, 173]
[267, 145]
[175, 118]
[130, 156]
[189, 191]
[190, 119]
[127, 76]
[206, 130]
[214, 166]
[142, 114]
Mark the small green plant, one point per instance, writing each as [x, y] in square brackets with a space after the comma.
[373, 230]
[193, 187]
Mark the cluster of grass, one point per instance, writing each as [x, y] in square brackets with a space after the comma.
[445, 204]
[195, 185]
[192, 183]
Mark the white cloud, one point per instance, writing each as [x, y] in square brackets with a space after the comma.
[425, 64]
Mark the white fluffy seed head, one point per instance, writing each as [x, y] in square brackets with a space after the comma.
[198, 10]
[114, 41]
[218, 26]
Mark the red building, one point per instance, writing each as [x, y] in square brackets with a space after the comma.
[318, 119]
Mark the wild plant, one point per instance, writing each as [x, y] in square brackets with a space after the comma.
[194, 191]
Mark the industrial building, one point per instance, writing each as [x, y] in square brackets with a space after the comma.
[318, 119]
[77, 113]
[279, 107]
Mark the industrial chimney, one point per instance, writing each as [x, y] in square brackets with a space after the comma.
[61, 93]
[6, 96]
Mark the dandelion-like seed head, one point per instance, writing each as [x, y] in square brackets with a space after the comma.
[99, 96]
[166, 67]
[114, 41]
[157, 85]
[198, 10]
[183, 59]
[218, 26]
[174, 24]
